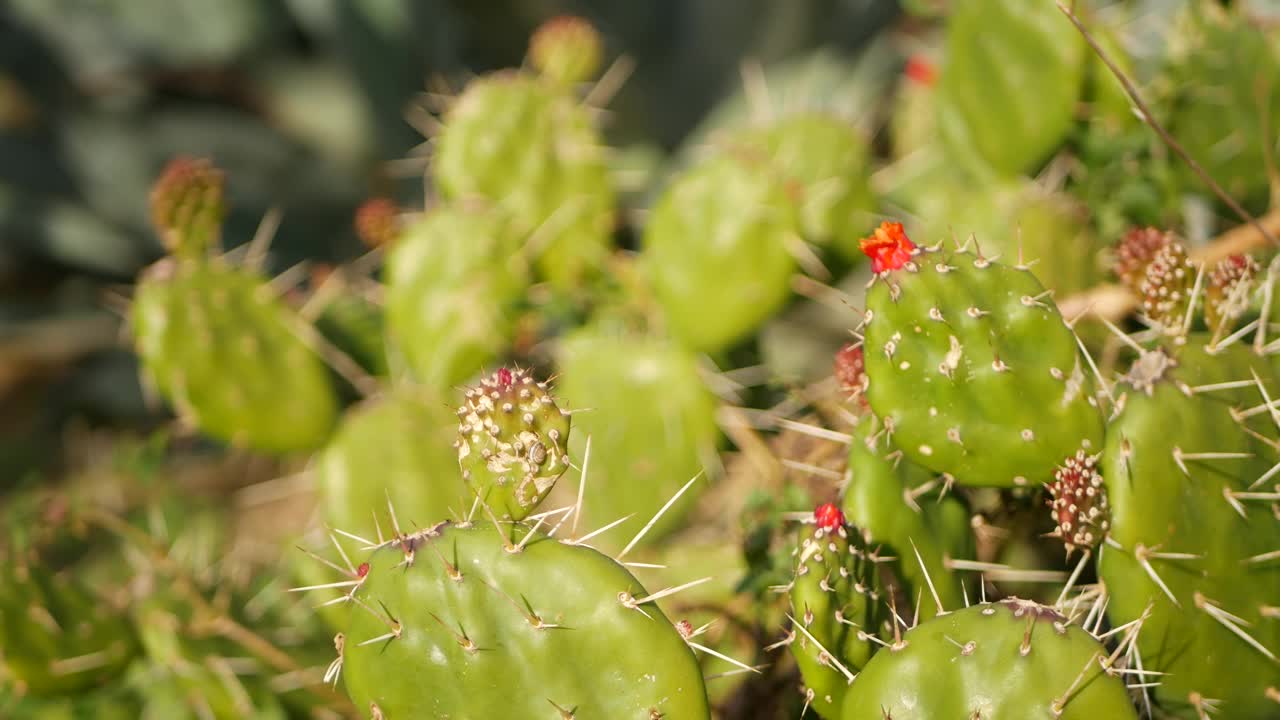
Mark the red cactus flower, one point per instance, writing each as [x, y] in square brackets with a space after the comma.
[362, 570]
[889, 247]
[828, 516]
[504, 378]
[920, 70]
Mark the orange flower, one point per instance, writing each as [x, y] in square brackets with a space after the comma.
[889, 248]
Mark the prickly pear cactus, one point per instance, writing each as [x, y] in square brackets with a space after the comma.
[527, 148]
[397, 448]
[512, 442]
[55, 635]
[230, 356]
[1224, 113]
[835, 605]
[970, 366]
[824, 160]
[462, 622]
[1192, 531]
[997, 661]
[913, 121]
[903, 507]
[652, 425]
[453, 280]
[995, 50]
[718, 251]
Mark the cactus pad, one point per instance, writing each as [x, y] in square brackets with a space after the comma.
[971, 367]
[717, 251]
[229, 356]
[997, 661]
[467, 624]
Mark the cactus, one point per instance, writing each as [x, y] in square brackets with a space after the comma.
[824, 160]
[512, 442]
[995, 49]
[453, 279]
[971, 367]
[718, 251]
[1007, 659]
[230, 356]
[187, 206]
[902, 507]
[399, 448]
[651, 423]
[1224, 67]
[526, 148]
[566, 50]
[835, 605]
[1191, 532]
[466, 622]
[913, 118]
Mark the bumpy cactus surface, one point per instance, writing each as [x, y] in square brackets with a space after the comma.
[971, 368]
[1008, 659]
[468, 623]
[512, 442]
[836, 608]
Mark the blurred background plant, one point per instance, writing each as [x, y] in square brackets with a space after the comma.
[169, 482]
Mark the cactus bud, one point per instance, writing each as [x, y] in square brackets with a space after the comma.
[1227, 297]
[566, 49]
[376, 224]
[1078, 501]
[828, 516]
[188, 205]
[512, 442]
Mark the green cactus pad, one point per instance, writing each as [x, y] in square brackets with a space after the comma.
[652, 424]
[55, 636]
[1177, 517]
[1224, 115]
[397, 447]
[995, 51]
[462, 623]
[526, 147]
[824, 159]
[228, 355]
[971, 367]
[881, 500]
[453, 280]
[716, 251]
[512, 442]
[835, 605]
[1010, 660]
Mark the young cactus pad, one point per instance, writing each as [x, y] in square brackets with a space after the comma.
[229, 356]
[397, 448]
[835, 605]
[1192, 532]
[512, 442]
[467, 624]
[453, 280]
[652, 426]
[527, 148]
[717, 249]
[971, 368]
[1009, 660]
